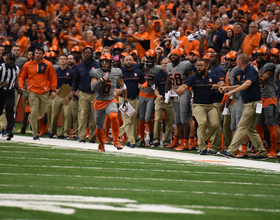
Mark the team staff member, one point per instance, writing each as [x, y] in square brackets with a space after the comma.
[41, 78]
[8, 82]
[64, 76]
[251, 96]
[217, 70]
[204, 111]
[81, 81]
[162, 107]
[104, 81]
[133, 78]
[75, 106]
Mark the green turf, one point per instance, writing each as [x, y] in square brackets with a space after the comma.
[31, 169]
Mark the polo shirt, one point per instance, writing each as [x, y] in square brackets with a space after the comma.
[250, 43]
[202, 88]
[218, 38]
[64, 76]
[221, 74]
[253, 93]
[131, 79]
[160, 81]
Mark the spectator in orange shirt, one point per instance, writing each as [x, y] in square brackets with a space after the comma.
[252, 40]
[21, 9]
[153, 31]
[73, 34]
[38, 10]
[22, 41]
[63, 7]
[167, 5]
[140, 36]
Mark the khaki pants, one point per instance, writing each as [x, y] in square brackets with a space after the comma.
[86, 111]
[38, 108]
[129, 124]
[216, 141]
[49, 114]
[206, 115]
[247, 125]
[160, 107]
[226, 128]
[75, 111]
[66, 116]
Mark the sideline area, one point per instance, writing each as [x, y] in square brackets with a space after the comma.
[154, 153]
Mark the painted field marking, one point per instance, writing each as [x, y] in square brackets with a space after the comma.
[141, 190]
[139, 179]
[57, 204]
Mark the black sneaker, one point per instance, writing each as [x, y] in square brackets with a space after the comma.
[203, 152]
[91, 141]
[75, 137]
[22, 131]
[82, 141]
[277, 161]
[36, 138]
[50, 135]
[257, 157]
[133, 146]
[9, 136]
[225, 154]
[156, 144]
[142, 144]
[60, 137]
[127, 144]
[211, 152]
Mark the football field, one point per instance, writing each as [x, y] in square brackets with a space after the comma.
[58, 179]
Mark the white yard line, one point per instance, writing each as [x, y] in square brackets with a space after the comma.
[140, 179]
[154, 153]
[142, 190]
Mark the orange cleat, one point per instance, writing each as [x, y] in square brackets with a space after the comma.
[253, 151]
[242, 154]
[101, 147]
[106, 140]
[118, 145]
[191, 146]
[272, 155]
[180, 147]
[172, 145]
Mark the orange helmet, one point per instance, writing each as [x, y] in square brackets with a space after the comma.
[223, 60]
[231, 56]
[105, 57]
[254, 54]
[76, 49]
[119, 45]
[124, 54]
[98, 50]
[54, 49]
[176, 51]
[207, 56]
[47, 54]
[6, 43]
[263, 54]
[150, 53]
[275, 53]
[182, 52]
[53, 54]
[134, 54]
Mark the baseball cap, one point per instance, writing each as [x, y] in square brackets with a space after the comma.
[40, 31]
[262, 3]
[195, 52]
[105, 19]
[261, 13]
[114, 21]
[243, 20]
[211, 26]
[11, 56]
[248, 11]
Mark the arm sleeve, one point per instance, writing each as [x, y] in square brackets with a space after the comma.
[274, 37]
[76, 80]
[52, 78]
[22, 76]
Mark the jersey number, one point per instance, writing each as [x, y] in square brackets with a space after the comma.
[106, 89]
[150, 79]
[176, 80]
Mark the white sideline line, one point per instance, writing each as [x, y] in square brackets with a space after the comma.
[230, 208]
[143, 190]
[147, 170]
[135, 178]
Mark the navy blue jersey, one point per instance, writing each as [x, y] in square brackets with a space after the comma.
[160, 82]
[64, 76]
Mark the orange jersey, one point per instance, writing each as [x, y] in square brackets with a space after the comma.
[21, 9]
[139, 48]
[153, 36]
[41, 77]
[162, 9]
[22, 42]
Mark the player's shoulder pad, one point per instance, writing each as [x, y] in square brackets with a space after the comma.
[96, 73]
[269, 67]
[236, 71]
[157, 67]
[116, 71]
[188, 65]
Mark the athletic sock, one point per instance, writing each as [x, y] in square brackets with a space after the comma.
[115, 125]
[273, 138]
[259, 129]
